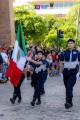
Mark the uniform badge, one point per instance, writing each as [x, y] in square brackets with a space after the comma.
[74, 52]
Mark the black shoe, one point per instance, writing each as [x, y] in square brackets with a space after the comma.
[68, 105]
[42, 93]
[19, 100]
[12, 100]
[38, 103]
[33, 103]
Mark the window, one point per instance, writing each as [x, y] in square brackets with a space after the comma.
[58, 4]
[66, 4]
[51, 5]
[69, 4]
[74, 3]
[45, 6]
[61, 4]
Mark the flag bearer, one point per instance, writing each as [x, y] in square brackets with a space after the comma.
[17, 90]
[71, 59]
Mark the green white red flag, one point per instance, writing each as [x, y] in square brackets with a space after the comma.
[18, 59]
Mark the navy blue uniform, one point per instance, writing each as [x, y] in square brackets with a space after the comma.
[71, 64]
[46, 64]
[1, 59]
[38, 79]
[17, 91]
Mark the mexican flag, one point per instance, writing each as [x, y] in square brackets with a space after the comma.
[18, 59]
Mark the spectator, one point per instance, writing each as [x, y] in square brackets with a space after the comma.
[5, 63]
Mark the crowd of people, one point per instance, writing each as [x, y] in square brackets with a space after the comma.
[50, 55]
[5, 56]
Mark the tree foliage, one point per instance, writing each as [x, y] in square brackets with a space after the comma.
[43, 30]
[34, 26]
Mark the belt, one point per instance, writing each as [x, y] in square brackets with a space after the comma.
[70, 69]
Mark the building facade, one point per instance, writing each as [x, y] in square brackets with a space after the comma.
[57, 7]
[7, 29]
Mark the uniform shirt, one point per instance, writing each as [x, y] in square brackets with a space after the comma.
[1, 59]
[4, 56]
[39, 70]
[71, 58]
[46, 64]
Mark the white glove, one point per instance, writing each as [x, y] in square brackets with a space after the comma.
[28, 58]
[29, 66]
[0, 75]
[77, 75]
[25, 81]
[61, 76]
[47, 77]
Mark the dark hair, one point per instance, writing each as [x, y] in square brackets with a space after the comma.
[45, 55]
[71, 40]
[40, 52]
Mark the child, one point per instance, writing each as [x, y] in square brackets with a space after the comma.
[37, 77]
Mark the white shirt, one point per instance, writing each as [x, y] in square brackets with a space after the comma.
[4, 56]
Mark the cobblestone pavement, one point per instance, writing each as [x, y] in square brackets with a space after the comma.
[52, 107]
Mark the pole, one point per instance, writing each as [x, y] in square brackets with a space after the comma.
[77, 26]
[57, 41]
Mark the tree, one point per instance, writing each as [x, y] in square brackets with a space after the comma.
[34, 26]
[50, 21]
[36, 29]
[73, 13]
[72, 18]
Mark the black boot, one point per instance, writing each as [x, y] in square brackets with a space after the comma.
[39, 101]
[19, 99]
[12, 100]
[42, 93]
[33, 102]
[68, 103]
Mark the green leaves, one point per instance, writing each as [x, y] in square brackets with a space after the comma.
[34, 26]
[43, 29]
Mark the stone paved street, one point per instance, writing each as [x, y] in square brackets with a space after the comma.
[52, 107]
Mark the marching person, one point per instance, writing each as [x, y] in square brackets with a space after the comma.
[37, 77]
[17, 91]
[71, 71]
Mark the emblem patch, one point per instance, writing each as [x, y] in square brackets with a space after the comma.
[74, 52]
